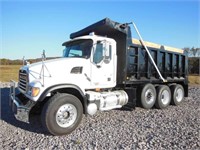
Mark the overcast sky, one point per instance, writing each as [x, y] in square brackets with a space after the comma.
[29, 27]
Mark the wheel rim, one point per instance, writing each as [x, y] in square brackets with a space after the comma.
[66, 115]
[179, 95]
[149, 96]
[165, 97]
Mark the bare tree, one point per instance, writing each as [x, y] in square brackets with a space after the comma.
[187, 49]
[193, 51]
[198, 52]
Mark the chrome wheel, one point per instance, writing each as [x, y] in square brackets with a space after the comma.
[165, 97]
[66, 115]
[179, 95]
[149, 96]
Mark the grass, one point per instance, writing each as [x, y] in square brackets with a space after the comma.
[8, 72]
[194, 79]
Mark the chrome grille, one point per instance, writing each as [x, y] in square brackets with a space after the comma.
[23, 80]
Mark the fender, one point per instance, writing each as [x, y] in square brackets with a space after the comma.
[61, 86]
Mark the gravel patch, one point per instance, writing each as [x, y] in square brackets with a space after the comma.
[176, 127]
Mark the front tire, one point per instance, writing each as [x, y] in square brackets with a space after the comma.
[148, 96]
[61, 114]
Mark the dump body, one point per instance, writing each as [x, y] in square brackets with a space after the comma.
[134, 65]
[171, 62]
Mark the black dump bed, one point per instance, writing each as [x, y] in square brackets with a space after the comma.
[135, 66]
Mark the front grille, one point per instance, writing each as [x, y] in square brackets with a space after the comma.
[23, 80]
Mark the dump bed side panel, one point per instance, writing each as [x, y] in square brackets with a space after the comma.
[172, 65]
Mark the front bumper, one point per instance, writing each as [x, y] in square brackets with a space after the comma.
[19, 104]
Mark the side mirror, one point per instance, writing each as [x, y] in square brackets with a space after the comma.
[107, 55]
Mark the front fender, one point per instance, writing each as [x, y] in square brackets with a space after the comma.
[60, 86]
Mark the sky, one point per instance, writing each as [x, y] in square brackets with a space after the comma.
[29, 27]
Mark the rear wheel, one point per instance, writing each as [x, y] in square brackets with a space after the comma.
[148, 96]
[62, 114]
[163, 97]
[177, 94]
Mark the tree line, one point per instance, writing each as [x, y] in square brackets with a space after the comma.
[5, 61]
[15, 62]
[192, 52]
[194, 65]
[193, 60]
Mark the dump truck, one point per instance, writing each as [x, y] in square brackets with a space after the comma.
[102, 68]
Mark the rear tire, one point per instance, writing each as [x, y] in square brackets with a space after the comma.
[163, 97]
[177, 94]
[148, 96]
[61, 114]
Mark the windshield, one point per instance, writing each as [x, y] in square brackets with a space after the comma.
[78, 48]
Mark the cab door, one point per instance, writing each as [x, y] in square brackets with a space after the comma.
[103, 65]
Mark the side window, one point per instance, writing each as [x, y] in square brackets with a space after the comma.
[98, 54]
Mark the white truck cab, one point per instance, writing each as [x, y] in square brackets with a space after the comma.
[99, 54]
[88, 62]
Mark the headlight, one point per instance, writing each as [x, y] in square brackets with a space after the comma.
[34, 91]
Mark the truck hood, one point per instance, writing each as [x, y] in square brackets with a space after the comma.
[55, 68]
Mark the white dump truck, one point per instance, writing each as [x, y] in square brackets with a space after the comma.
[102, 68]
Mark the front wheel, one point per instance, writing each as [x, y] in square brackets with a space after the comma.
[62, 114]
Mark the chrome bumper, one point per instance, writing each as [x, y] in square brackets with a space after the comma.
[20, 110]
